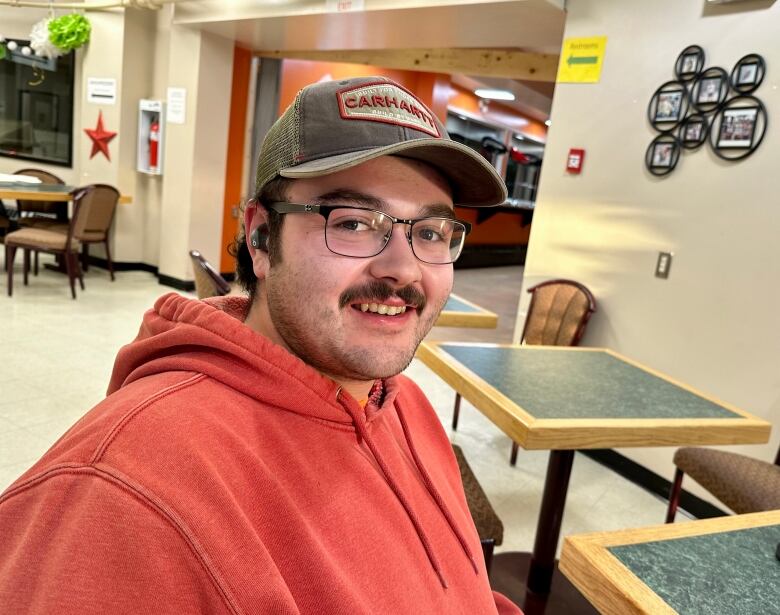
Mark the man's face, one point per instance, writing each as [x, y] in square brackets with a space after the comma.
[313, 297]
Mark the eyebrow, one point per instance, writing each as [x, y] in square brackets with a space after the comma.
[439, 210]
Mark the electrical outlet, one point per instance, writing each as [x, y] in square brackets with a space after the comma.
[663, 265]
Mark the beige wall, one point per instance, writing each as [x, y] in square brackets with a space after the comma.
[196, 151]
[713, 323]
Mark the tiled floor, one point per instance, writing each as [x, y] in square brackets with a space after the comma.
[56, 356]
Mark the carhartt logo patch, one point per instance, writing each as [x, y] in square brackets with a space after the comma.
[388, 103]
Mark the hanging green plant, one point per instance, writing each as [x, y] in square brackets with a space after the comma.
[69, 31]
[2, 51]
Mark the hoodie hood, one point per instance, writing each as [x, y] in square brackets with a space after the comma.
[210, 337]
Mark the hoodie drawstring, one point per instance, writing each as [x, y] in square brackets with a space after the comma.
[435, 493]
[360, 425]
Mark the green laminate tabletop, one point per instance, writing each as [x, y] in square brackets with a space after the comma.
[550, 384]
[458, 312]
[732, 572]
[716, 566]
[594, 397]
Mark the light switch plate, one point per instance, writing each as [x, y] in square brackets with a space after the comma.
[663, 265]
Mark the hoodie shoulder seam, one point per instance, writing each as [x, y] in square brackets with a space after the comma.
[137, 409]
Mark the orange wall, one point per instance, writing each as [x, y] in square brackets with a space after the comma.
[242, 62]
[502, 228]
[431, 88]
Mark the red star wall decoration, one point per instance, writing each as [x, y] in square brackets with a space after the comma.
[100, 138]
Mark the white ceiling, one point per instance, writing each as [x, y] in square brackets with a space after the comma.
[532, 25]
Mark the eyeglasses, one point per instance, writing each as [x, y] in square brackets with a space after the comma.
[362, 233]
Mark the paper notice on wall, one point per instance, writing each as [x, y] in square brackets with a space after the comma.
[177, 106]
[101, 91]
[341, 6]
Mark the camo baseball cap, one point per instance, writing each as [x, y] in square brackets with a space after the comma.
[335, 125]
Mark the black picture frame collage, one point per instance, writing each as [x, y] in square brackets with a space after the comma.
[706, 105]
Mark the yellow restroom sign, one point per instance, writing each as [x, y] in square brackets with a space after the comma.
[581, 60]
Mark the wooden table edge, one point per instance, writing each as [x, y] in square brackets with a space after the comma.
[607, 583]
[61, 197]
[475, 320]
[502, 411]
[588, 564]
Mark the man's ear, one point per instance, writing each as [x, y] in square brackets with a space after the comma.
[256, 229]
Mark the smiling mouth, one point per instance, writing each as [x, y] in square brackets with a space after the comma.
[381, 308]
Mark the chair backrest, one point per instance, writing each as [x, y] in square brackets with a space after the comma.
[41, 207]
[208, 281]
[558, 313]
[81, 207]
[99, 203]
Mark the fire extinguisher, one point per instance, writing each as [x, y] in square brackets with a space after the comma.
[154, 143]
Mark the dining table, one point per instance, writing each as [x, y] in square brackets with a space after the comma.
[22, 191]
[459, 312]
[728, 564]
[564, 399]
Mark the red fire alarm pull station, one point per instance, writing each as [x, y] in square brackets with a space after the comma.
[574, 161]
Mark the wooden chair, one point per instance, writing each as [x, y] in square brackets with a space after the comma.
[208, 281]
[742, 483]
[557, 316]
[103, 200]
[41, 213]
[64, 245]
[489, 526]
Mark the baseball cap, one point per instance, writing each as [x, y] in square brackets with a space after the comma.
[335, 125]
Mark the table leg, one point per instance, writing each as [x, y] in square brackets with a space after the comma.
[548, 529]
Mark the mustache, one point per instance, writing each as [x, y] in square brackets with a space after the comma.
[377, 291]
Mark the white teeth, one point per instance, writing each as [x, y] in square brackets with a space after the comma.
[380, 308]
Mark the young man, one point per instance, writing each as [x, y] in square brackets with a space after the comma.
[263, 455]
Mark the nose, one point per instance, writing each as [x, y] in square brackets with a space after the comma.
[397, 262]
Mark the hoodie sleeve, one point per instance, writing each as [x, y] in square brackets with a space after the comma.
[75, 542]
[505, 606]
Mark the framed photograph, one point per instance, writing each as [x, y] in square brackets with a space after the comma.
[693, 132]
[689, 62]
[709, 90]
[737, 127]
[747, 74]
[662, 155]
[669, 105]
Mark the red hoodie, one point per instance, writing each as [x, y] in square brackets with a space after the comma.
[224, 475]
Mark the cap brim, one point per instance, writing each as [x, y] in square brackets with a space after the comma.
[474, 181]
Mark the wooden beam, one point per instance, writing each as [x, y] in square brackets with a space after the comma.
[510, 63]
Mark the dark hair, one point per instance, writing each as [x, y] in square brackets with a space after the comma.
[275, 190]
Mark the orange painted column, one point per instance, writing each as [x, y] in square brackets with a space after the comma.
[234, 181]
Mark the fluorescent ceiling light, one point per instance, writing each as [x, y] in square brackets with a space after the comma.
[494, 94]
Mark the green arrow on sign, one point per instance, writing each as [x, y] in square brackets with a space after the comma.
[582, 60]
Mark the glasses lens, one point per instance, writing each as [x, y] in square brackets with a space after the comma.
[357, 232]
[438, 240]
